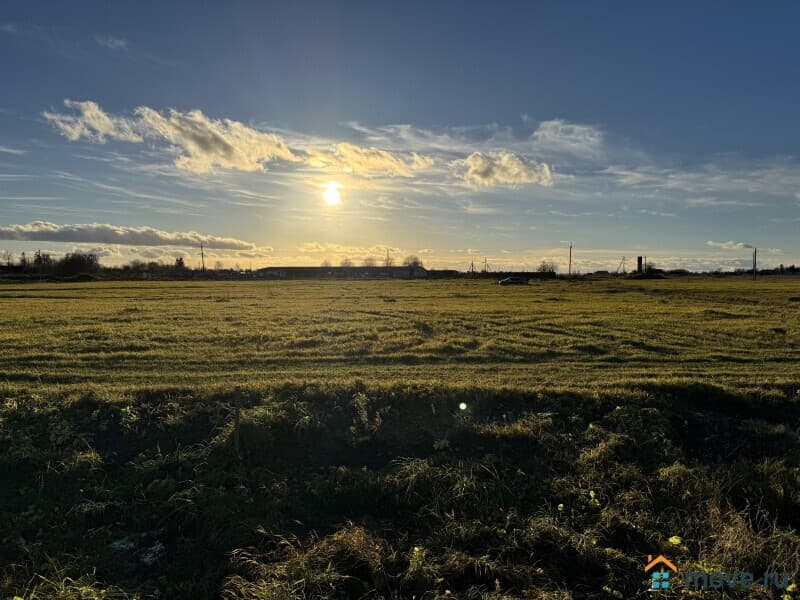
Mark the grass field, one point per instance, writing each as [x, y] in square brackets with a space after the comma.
[577, 335]
[396, 439]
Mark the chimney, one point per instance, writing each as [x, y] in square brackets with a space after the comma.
[638, 264]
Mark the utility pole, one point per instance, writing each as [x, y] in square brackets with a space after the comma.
[202, 258]
[569, 269]
[755, 263]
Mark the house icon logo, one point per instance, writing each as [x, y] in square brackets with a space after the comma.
[660, 569]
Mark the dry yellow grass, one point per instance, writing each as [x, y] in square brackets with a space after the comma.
[578, 335]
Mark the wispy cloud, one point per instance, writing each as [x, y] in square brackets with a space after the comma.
[729, 245]
[111, 42]
[29, 198]
[714, 184]
[548, 138]
[560, 136]
[72, 43]
[8, 150]
[714, 201]
[363, 161]
[101, 233]
[22, 29]
[93, 123]
[337, 252]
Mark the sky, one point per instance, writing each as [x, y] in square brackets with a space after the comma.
[294, 133]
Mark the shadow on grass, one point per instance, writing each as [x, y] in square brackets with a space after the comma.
[393, 491]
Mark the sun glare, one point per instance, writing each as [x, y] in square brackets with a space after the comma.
[331, 194]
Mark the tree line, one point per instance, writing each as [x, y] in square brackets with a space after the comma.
[72, 263]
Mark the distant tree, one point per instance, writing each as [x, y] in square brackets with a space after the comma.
[135, 265]
[218, 265]
[388, 262]
[412, 261]
[346, 262]
[547, 267]
[42, 261]
[179, 264]
[7, 258]
[23, 261]
[326, 264]
[369, 262]
[77, 263]
[237, 267]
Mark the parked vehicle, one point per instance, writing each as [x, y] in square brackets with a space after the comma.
[513, 281]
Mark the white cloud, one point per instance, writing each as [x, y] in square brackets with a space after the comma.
[729, 245]
[100, 233]
[561, 136]
[92, 123]
[202, 143]
[207, 143]
[503, 168]
[111, 42]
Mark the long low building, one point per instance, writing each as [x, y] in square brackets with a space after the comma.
[403, 272]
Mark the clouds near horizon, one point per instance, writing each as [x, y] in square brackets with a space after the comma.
[729, 245]
[103, 233]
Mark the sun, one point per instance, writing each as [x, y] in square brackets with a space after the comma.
[331, 194]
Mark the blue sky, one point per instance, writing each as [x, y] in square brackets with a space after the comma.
[455, 131]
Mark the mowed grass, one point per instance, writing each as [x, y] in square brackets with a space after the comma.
[581, 334]
[421, 439]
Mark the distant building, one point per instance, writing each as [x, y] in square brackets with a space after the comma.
[403, 272]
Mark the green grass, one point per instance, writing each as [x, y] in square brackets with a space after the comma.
[602, 419]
